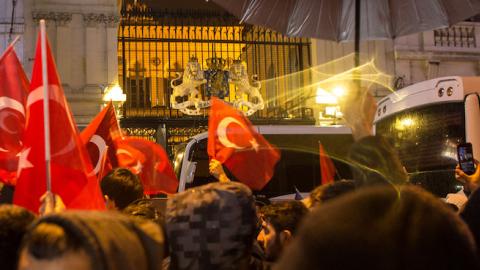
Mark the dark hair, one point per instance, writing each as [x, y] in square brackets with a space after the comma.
[374, 161]
[284, 215]
[48, 241]
[109, 239]
[330, 191]
[122, 186]
[14, 221]
[382, 228]
[146, 210]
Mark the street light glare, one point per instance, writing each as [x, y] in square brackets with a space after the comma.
[115, 93]
[324, 97]
[339, 91]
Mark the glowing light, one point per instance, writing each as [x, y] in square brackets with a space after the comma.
[405, 123]
[339, 91]
[115, 94]
[324, 97]
[331, 110]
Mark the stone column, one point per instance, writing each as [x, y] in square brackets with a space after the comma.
[96, 60]
[77, 52]
[111, 48]
[64, 47]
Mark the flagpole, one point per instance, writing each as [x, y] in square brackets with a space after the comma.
[17, 38]
[46, 113]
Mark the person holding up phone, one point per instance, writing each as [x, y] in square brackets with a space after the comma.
[467, 171]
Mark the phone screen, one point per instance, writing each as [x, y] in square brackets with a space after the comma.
[465, 158]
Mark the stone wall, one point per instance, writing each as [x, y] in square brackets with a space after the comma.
[83, 38]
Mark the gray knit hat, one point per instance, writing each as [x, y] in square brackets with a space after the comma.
[211, 226]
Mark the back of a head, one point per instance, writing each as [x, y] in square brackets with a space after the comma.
[122, 186]
[471, 215]
[382, 228]
[146, 210]
[331, 191]
[211, 226]
[109, 240]
[14, 221]
[374, 161]
[284, 215]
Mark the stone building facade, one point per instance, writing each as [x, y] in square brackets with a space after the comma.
[83, 36]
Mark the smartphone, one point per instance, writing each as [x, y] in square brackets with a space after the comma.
[465, 158]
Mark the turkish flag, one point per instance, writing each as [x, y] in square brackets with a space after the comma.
[99, 137]
[150, 162]
[327, 168]
[13, 95]
[72, 174]
[234, 142]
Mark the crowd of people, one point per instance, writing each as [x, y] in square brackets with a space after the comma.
[376, 220]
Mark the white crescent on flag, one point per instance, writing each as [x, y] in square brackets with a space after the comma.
[222, 132]
[102, 148]
[138, 167]
[37, 95]
[9, 103]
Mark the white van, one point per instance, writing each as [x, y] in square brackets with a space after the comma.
[426, 121]
[299, 164]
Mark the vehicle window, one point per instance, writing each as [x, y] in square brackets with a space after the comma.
[426, 140]
[299, 165]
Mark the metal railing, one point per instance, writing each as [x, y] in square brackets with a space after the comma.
[461, 36]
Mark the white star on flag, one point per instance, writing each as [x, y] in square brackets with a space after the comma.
[254, 144]
[23, 161]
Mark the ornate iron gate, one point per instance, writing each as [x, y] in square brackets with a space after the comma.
[154, 47]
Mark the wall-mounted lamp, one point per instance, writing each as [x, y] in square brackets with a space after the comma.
[115, 94]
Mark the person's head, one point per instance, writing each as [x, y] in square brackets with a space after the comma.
[374, 161]
[382, 228]
[146, 210]
[91, 241]
[211, 227]
[121, 187]
[14, 221]
[330, 191]
[279, 225]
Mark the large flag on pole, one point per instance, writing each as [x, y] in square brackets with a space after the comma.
[13, 94]
[72, 174]
[99, 137]
[234, 142]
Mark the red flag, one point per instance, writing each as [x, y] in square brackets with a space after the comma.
[99, 136]
[233, 141]
[72, 174]
[150, 162]
[13, 94]
[327, 169]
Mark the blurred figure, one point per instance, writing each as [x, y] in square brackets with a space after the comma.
[120, 188]
[382, 228]
[374, 161]
[6, 193]
[91, 241]
[14, 221]
[471, 215]
[329, 191]
[279, 226]
[211, 227]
